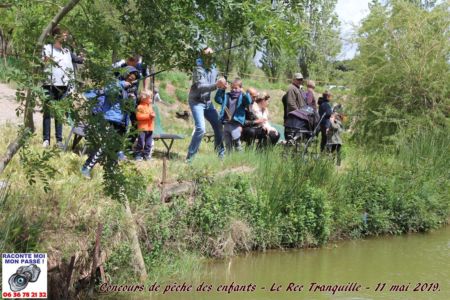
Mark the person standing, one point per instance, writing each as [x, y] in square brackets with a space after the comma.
[310, 98]
[203, 83]
[295, 97]
[325, 112]
[145, 117]
[334, 140]
[60, 81]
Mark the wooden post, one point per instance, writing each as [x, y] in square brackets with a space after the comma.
[69, 277]
[135, 247]
[95, 256]
[164, 179]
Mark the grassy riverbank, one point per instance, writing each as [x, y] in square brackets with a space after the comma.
[250, 201]
[282, 202]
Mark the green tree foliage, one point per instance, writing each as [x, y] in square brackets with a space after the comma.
[320, 43]
[402, 72]
[172, 33]
[317, 55]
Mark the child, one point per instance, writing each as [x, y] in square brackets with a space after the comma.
[334, 140]
[232, 113]
[145, 117]
[112, 107]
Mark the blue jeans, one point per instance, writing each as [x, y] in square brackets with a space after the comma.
[200, 112]
[54, 93]
[144, 145]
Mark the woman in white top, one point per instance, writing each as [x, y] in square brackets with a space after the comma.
[261, 111]
[60, 80]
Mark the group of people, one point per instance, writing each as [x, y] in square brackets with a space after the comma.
[243, 115]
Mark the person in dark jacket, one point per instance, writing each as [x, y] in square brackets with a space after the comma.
[295, 97]
[112, 105]
[325, 112]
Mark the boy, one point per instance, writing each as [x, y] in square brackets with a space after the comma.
[232, 113]
[145, 117]
[113, 107]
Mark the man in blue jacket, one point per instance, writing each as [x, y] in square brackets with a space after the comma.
[113, 106]
[204, 81]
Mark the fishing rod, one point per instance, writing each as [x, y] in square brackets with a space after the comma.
[171, 67]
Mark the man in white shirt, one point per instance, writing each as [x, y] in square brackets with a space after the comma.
[60, 80]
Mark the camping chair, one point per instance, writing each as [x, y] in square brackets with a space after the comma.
[280, 129]
[78, 134]
[159, 134]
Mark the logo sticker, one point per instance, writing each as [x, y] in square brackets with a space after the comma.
[24, 275]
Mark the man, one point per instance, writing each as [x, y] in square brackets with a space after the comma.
[203, 83]
[60, 81]
[294, 98]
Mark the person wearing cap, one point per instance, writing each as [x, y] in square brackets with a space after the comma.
[310, 98]
[325, 112]
[294, 97]
[204, 81]
[112, 106]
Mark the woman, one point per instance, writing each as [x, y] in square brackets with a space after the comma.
[261, 111]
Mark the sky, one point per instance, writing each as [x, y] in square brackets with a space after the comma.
[350, 13]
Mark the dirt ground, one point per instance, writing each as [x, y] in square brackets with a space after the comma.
[8, 107]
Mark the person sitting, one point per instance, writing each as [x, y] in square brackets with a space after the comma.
[260, 109]
[251, 129]
[232, 113]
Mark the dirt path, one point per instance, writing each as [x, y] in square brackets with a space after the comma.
[8, 107]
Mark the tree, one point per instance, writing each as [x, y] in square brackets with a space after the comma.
[402, 71]
[316, 56]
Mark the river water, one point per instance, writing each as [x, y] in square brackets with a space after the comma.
[396, 265]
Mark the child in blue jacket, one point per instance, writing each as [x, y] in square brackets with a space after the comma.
[112, 106]
[232, 113]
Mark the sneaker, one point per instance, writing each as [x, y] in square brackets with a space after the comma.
[138, 158]
[60, 145]
[149, 157]
[86, 172]
[46, 144]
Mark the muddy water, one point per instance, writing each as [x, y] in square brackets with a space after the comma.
[396, 265]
